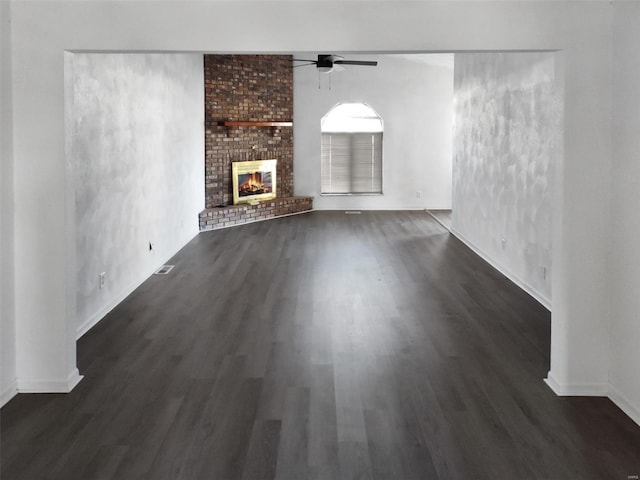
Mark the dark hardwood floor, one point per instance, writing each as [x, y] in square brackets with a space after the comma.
[320, 346]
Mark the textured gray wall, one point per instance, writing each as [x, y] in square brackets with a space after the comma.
[507, 139]
[137, 129]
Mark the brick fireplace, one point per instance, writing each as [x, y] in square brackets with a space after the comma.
[248, 114]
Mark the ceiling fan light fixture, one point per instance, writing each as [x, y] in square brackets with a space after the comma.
[333, 63]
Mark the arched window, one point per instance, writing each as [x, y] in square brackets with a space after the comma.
[351, 150]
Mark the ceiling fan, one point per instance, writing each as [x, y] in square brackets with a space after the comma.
[330, 63]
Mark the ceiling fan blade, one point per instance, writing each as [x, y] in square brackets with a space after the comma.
[302, 60]
[356, 62]
[304, 64]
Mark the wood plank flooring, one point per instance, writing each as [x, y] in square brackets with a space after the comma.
[320, 346]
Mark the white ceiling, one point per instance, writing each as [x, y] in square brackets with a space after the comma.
[432, 59]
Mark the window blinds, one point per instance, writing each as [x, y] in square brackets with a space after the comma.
[351, 163]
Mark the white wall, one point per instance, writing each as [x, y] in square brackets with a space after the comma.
[414, 99]
[7, 319]
[136, 124]
[625, 218]
[507, 142]
[41, 31]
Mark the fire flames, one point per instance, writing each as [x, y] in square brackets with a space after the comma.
[253, 185]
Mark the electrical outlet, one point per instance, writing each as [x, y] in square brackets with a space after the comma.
[101, 280]
[418, 194]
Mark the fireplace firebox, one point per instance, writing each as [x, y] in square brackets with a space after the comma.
[254, 181]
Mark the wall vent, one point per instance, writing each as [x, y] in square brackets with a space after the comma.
[163, 270]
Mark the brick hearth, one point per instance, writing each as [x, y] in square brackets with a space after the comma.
[213, 218]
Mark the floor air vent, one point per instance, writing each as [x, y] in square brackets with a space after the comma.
[163, 270]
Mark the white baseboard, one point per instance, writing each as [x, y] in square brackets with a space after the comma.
[8, 393]
[30, 385]
[624, 404]
[375, 208]
[594, 390]
[100, 314]
[576, 389]
[442, 224]
[542, 299]
[94, 319]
